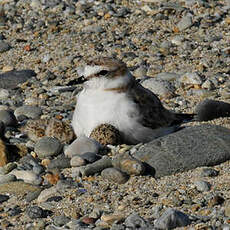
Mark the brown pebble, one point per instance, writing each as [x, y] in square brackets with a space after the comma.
[45, 162]
[77, 161]
[88, 220]
[128, 164]
[52, 177]
[110, 219]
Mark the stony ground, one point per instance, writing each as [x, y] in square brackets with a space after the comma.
[183, 45]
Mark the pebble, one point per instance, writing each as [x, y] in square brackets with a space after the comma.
[7, 168]
[167, 76]
[4, 94]
[111, 218]
[185, 23]
[96, 167]
[28, 176]
[191, 79]
[7, 178]
[47, 147]
[128, 164]
[209, 172]
[35, 212]
[134, 221]
[32, 112]
[47, 193]
[77, 161]
[11, 79]
[4, 46]
[82, 145]
[172, 218]
[211, 109]
[90, 157]
[8, 118]
[61, 220]
[59, 163]
[3, 198]
[202, 186]
[32, 195]
[115, 175]
[160, 87]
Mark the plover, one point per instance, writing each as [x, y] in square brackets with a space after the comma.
[111, 95]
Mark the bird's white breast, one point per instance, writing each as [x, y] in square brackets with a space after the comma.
[96, 106]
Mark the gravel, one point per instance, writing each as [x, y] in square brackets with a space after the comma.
[183, 46]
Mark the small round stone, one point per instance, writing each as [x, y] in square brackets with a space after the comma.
[106, 134]
[4, 47]
[202, 186]
[211, 109]
[47, 146]
[61, 220]
[115, 175]
[35, 212]
[77, 161]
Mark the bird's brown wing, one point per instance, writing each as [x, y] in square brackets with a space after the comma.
[153, 114]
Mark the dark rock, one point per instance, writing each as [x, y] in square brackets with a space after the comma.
[11, 79]
[35, 212]
[4, 47]
[54, 198]
[3, 198]
[210, 172]
[90, 157]
[210, 109]
[172, 219]
[47, 147]
[32, 195]
[96, 167]
[2, 128]
[7, 117]
[60, 163]
[191, 147]
[15, 211]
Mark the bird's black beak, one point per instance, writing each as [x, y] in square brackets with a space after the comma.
[81, 79]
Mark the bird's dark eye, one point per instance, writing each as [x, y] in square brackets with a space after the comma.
[103, 72]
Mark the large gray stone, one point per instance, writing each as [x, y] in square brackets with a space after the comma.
[11, 79]
[191, 147]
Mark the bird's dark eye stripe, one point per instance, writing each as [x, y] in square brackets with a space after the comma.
[103, 72]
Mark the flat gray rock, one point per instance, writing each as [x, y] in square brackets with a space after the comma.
[191, 147]
[11, 79]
